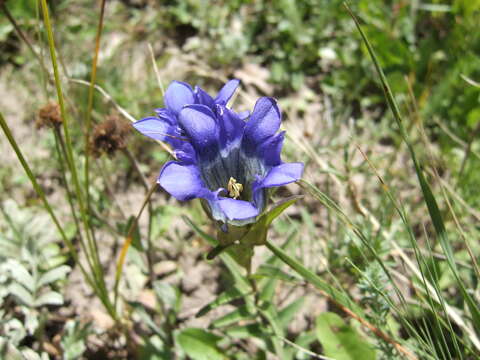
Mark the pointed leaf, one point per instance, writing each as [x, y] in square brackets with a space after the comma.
[340, 341]
[21, 294]
[224, 298]
[258, 233]
[286, 315]
[200, 344]
[20, 274]
[240, 313]
[167, 294]
[53, 275]
[49, 298]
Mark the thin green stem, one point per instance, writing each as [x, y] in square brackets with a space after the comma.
[127, 243]
[65, 182]
[149, 254]
[91, 91]
[93, 253]
[60, 144]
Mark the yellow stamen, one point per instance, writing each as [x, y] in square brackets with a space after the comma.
[234, 188]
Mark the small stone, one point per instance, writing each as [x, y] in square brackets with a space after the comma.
[101, 319]
[147, 299]
[164, 268]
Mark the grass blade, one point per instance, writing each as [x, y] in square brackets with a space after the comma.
[430, 200]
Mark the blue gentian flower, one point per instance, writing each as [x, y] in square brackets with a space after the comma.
[227, 159]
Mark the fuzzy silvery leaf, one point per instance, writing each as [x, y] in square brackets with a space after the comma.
[8, 350]
[29, 354]
[49, 298]
[14, 331]
[21, 294]
[31, 320]
[53, 275]
[20, 274]
[73, 341]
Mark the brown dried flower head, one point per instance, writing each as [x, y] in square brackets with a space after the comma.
[110, 135]
[49, 115]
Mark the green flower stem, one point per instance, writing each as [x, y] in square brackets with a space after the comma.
[93, 251]
[91, 91]
[126, 245]
[144, 180]
[58, 144]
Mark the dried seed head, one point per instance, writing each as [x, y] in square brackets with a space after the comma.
[110, 135]
[49, 115]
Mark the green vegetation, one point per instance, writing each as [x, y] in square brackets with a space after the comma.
[378, 255]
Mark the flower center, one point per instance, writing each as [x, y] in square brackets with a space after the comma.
[234, 188]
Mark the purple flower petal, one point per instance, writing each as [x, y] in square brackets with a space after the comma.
[226, 92]
[200, 125]
[244, 114]
[283, 174]
[178, 95]
[264, 122]
[270, 150]
[183, 182]
[154, 128]
[166, 115]
[237, 209]
[230, 126]
[203, 97]
[185, 153]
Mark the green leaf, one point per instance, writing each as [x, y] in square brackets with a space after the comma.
[288, 312]
[246, 331]
[314, 279]
[21, 294]
[432, 206]
[269, 312]
[270, 271]
[146, 318]
[340, 341]
[258, 233]
[9, 350]
[155, 349]
[256, 331]
[304, 340]
[49, 298]
[240, 240]
[20, 274]
[240, 281]
[73, 340]
[167, 294]
[240, 313]
[200, 344]
[224, 298]
[53, 275]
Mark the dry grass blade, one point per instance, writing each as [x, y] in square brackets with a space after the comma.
[128, 242]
